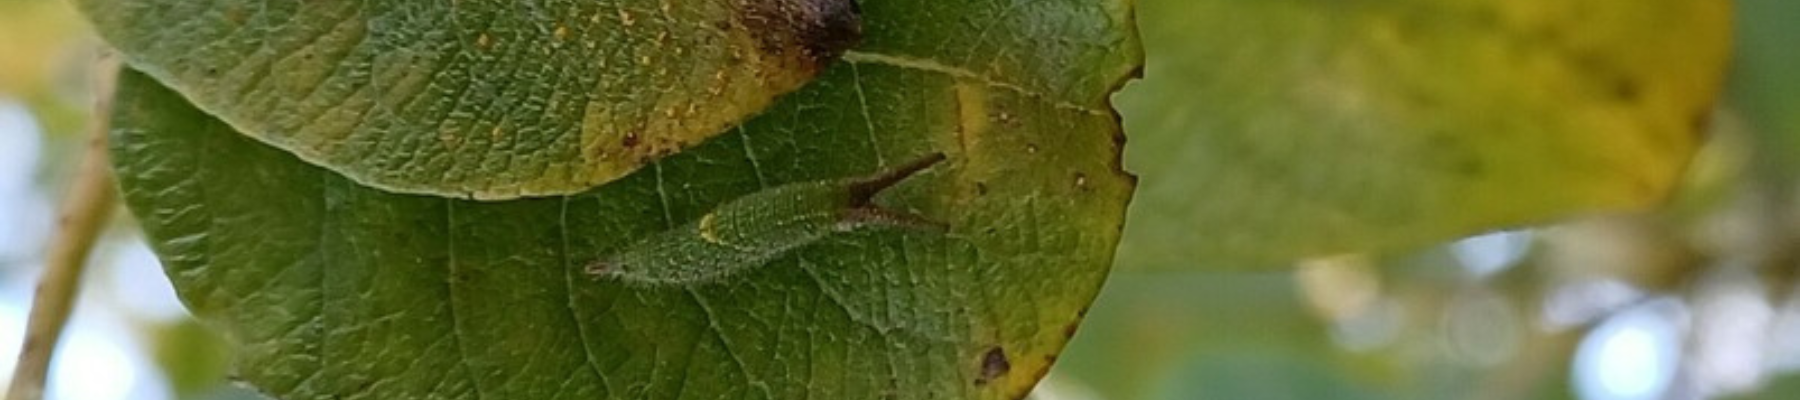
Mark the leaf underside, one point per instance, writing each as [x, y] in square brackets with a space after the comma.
[1271, 130]
[491, 99]
[333, 289]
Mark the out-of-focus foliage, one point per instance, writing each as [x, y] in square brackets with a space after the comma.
[1145, 329]
[1269, 375]
[1416, 330]
[35, 33]
[1765, 88]
[1265, 131]
[1782, 389]
[192, 356]
[1433, 324]
[44, 52]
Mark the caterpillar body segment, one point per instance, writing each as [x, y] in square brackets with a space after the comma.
[759, 228]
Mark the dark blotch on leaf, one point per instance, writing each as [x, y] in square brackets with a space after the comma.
[994, 364]
[836, 25]
[1626, 90]
[1701, 122]
[815, 32]
[1470, 167]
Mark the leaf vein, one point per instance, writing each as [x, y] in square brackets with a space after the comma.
[937, 67]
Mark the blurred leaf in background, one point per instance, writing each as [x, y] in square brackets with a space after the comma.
[36, 32]
[1783, 389]
[1764, 86]
[45, 51]
[192, 357]
[1265, 131]
[1694, 301]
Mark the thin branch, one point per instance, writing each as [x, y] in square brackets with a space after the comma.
[84, 215]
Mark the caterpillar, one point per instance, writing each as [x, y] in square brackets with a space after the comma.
[756, 229]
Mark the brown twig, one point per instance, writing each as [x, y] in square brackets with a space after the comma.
[84, 215]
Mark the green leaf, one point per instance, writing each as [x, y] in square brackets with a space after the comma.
[192, 358]
[1265, 375]
[1776, 387]
[1271, 130]
[337, 290]
[489, 99]
[1765, 87]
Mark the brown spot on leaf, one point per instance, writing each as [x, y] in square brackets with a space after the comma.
[1701, 123]
[1470, 167]
[812, 32]
[1626, 90]
[994, 364]
[631, 140]
[892, 390]
[235, 15]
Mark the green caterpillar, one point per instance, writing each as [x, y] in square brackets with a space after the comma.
[754, 230]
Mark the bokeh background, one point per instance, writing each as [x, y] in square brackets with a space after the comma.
[1699, 300]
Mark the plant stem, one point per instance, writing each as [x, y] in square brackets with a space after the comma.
[83, 217]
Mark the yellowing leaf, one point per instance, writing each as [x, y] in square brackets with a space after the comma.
[1270, 130]
[44, 54]
[490, 99]
[33, 35]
